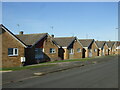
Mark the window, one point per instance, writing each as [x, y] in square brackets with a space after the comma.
[95, 50]
[71, 51]
[106, 50]
[12, 51]
[78, 50]
[52, 50]
[39, 53]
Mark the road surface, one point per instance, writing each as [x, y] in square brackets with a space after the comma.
[99, 75]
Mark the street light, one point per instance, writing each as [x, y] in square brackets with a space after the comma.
[118, 33]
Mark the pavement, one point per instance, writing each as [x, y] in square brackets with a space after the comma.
[17, 76]
[97, 73]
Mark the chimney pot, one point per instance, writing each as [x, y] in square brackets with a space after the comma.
[52, 36]
[21, 33]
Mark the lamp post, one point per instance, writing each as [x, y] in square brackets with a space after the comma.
[117, 34]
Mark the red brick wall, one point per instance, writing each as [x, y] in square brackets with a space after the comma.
[47, 45]
[94, 53]
[77, 45]
[9, 42]
[106, 48]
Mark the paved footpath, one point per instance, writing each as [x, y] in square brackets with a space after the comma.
[15, 76]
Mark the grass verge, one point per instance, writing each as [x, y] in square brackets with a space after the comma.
[51, 63]
[24, 67]
[69, 60]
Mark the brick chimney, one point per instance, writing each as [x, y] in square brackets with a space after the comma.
[21, 33]
[52, 36]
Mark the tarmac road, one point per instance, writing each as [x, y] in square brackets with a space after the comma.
[99, 75]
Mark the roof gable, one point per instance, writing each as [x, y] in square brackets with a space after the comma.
[4, 28]
[86, 42]
[110, 44]
[100, 44]
[64, 41]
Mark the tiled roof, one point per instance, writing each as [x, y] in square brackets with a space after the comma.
[30, 39]
[100, 43]
[64, 41]
[110, 43]
[86, 42]
[117, 43]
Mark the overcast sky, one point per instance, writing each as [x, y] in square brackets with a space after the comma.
[97, 20]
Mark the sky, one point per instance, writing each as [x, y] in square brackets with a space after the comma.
[85, 20]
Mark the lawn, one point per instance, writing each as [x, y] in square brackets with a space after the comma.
[51, 63]
[69, 60]
[24, 67]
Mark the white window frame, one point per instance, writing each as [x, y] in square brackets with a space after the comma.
[52, 50]
[71, 51]
[14, 54]
[78, 50]
[95, 50]
[106, 50]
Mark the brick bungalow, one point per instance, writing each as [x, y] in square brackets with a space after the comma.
[70, 47]
[12, 48]
[114, 48]
[90, 47]
[41, 47]
[117, 45]
[101, 47]
[105, 49]
[111, 46]
[26, 48]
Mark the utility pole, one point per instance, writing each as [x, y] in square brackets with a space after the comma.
[117, 33]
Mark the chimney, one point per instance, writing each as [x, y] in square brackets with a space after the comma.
[21, 33]
[52, 36]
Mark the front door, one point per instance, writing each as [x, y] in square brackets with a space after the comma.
[90, 53]
[103, 52]
[71, 53]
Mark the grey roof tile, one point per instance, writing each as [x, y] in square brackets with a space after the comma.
[64, 41]
[100, 43]
[86, 42]
[30, 39]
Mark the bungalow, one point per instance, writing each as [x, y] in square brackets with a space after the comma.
[117, 45]
[101, 47]
[41, 47]
[70, 47]
[12, 48]
[26, 48]
[90, 47]
[111, 46]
